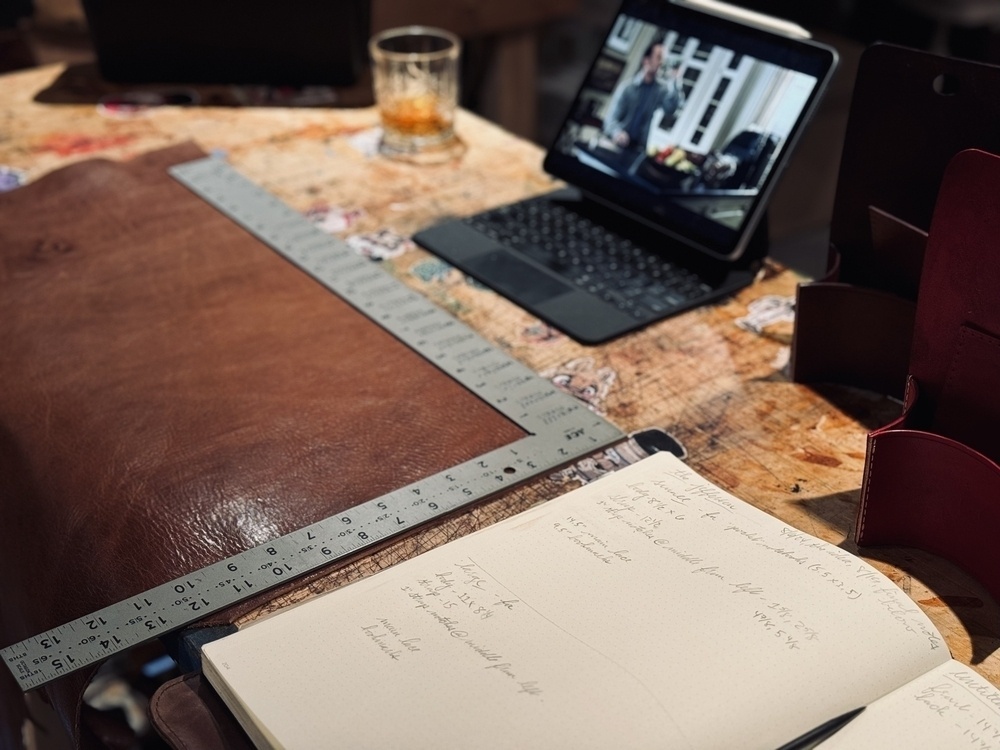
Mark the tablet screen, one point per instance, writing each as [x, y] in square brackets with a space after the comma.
[686, 118]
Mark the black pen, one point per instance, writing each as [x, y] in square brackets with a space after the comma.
[824, 731]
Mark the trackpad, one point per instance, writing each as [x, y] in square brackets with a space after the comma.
[514, 277]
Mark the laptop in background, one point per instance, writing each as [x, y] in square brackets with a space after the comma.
[288, 43]
[670, 149]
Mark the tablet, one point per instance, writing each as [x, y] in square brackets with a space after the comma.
[687, 116]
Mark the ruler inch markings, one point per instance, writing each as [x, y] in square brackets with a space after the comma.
[559, 429]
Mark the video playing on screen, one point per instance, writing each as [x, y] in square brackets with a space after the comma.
[684, 118]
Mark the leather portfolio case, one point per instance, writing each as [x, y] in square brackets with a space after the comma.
[911, 112]
[174, 393]
[932, 479]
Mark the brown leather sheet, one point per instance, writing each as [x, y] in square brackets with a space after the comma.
[173, 392]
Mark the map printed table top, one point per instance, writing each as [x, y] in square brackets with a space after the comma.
[715, 379]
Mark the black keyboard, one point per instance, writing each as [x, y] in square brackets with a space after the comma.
[634, 279]
[583, 268]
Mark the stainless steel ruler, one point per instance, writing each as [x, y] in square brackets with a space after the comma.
[559, 429]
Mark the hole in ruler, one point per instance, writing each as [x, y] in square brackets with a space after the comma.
[509, 470]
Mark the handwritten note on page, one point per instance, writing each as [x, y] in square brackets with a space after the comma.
[647, 609]
[949, 707]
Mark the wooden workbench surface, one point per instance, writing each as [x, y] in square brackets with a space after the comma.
[715, 379]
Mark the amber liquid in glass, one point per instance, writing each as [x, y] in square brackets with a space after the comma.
[417, 117]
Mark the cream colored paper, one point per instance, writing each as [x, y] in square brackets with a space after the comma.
[949, 707]
[647, 609]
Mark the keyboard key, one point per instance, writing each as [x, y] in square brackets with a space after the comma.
[591, 257]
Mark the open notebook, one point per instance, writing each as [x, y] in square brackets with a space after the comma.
[646, 609]
[671, 149]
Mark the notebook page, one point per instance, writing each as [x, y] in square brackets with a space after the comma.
[649, 608]
[951, 706]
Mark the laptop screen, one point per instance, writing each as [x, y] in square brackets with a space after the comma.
[686, 118]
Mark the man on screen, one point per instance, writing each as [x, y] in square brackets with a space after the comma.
[632, 113]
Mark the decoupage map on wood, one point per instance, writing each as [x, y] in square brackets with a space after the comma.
[714, 378]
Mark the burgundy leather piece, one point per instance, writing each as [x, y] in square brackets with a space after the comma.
[898, 248]
[932, 493]
[174, 392]
[190, 715]
[911, 112]
[851, 335]
[968, 407]
[931, 477]
[900, 136]
[959, 310]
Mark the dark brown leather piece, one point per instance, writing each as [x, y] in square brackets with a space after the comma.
[189, 714]
[174, 392]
